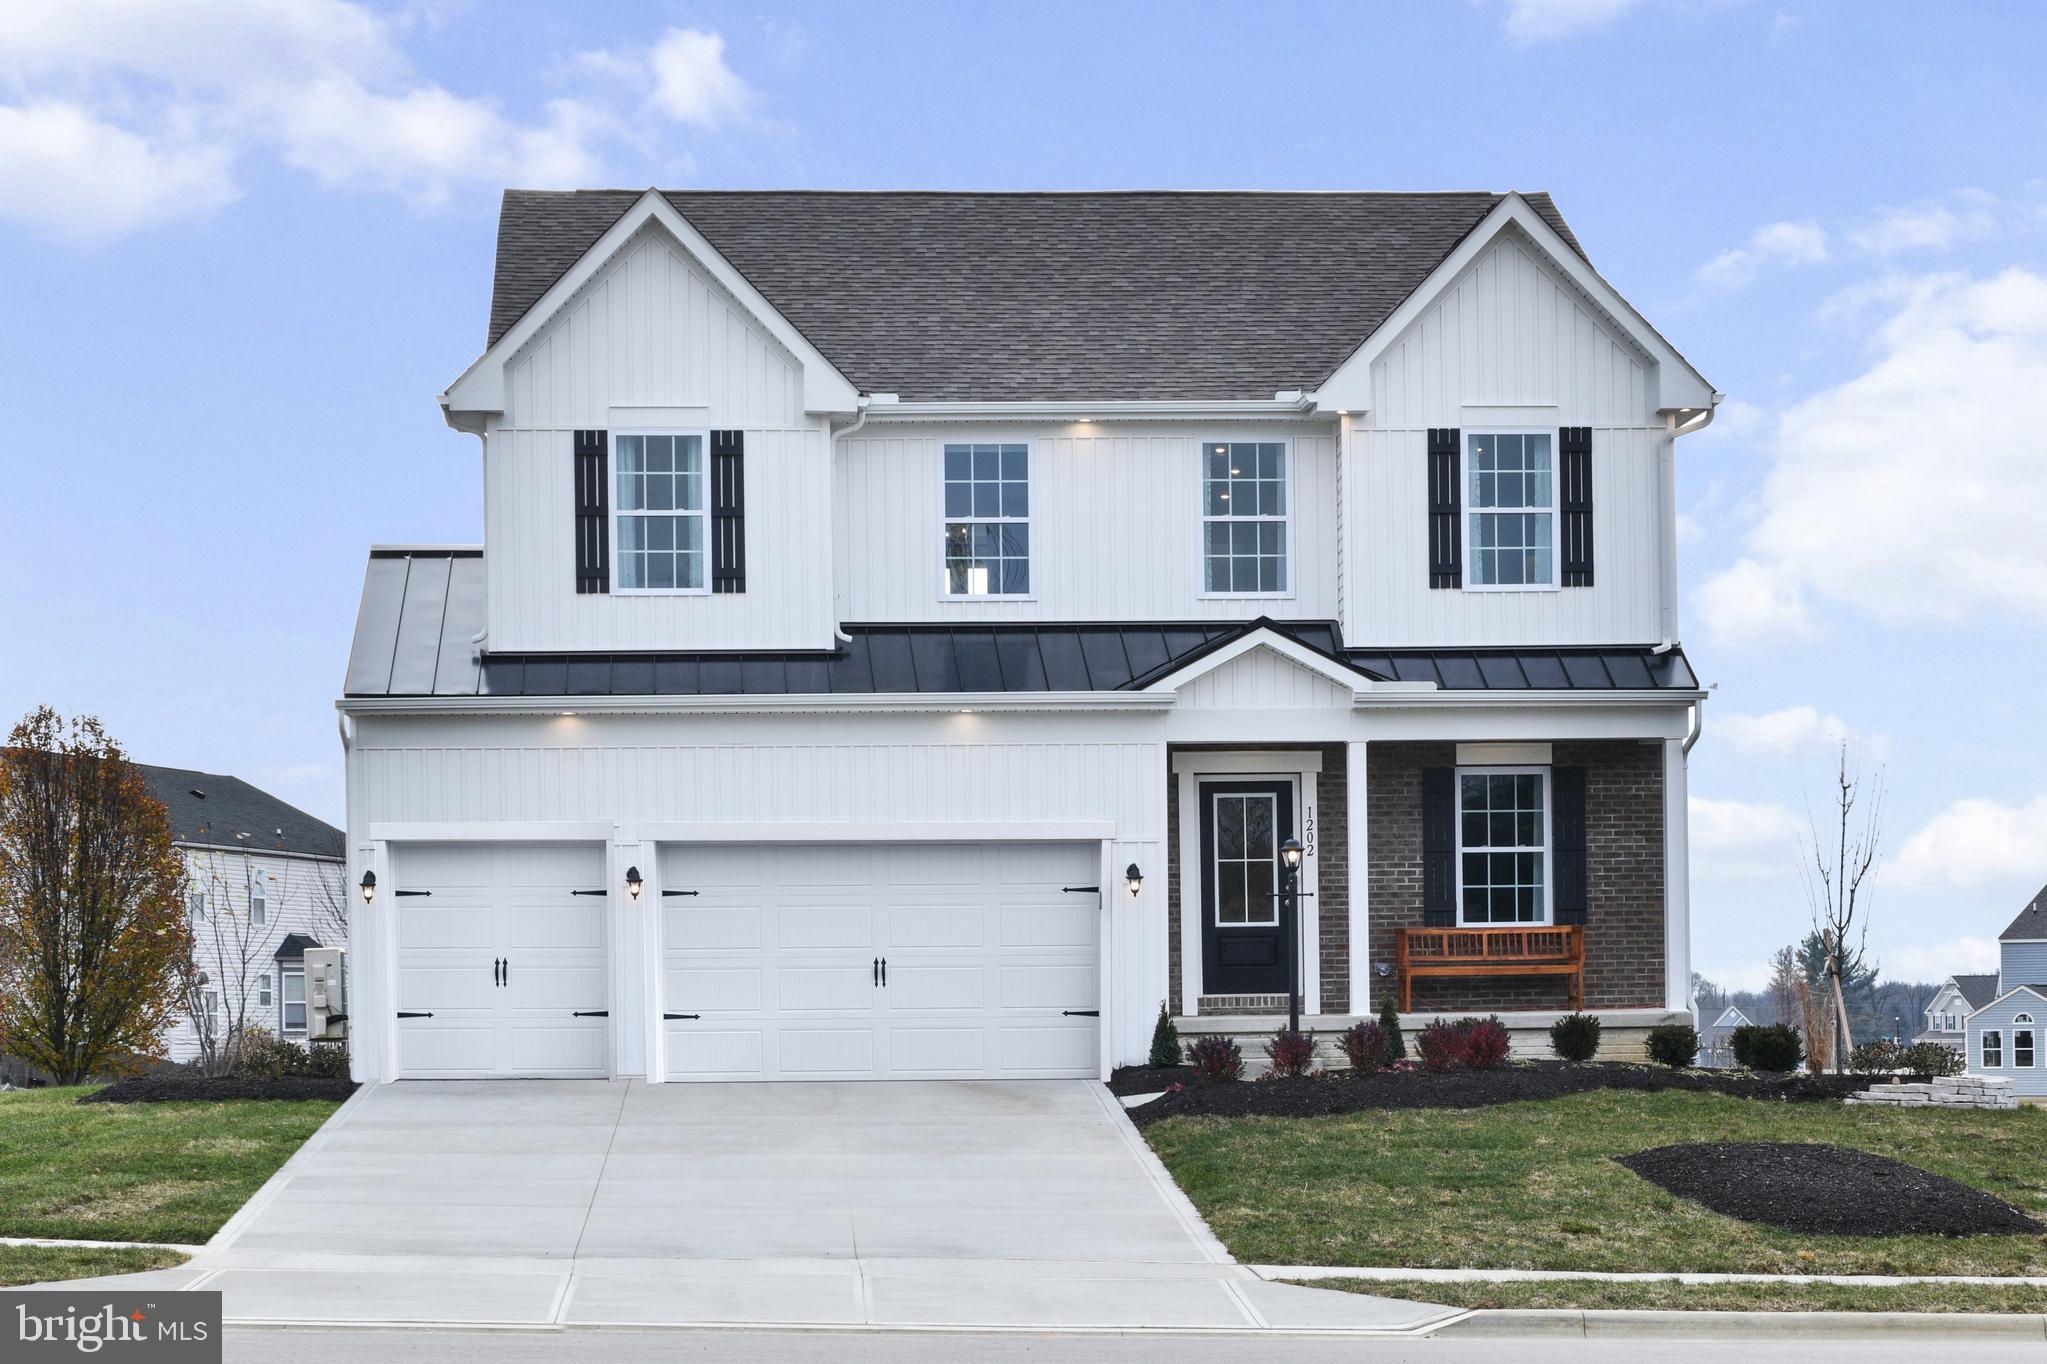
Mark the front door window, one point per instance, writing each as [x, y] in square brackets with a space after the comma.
[1246, 850]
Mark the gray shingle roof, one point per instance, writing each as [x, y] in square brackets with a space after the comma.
[2031, 923]
[1977, 990]
[227, 812]
[951, 296]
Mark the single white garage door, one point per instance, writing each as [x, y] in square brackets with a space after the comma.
[501, 963]
[880, 961]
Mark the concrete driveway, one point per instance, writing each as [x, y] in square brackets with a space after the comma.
[1028, 1204]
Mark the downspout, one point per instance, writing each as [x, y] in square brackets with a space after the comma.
[1666, 473]
[831, 488]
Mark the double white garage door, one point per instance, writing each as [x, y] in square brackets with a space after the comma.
[778, 962]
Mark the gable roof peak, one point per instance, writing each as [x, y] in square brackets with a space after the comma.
[2031, 923]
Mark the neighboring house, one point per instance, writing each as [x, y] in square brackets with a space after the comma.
[2007, 1033]
[263, 884]
[1716, 1039]
[909, 626]
[1948, 1012]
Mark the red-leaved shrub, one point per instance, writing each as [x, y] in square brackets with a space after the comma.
[1440, 1044]
[1216, 1059]
[1485, 1042]
[1291, 1052]
[1366, 1046]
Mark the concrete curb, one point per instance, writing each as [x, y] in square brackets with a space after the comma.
[1751, 1325]
[65, 1243]
[1371, 1274]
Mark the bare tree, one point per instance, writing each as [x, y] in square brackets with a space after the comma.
[217, 981]
[1838, 886]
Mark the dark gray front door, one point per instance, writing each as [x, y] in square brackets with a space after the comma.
[1244, 925]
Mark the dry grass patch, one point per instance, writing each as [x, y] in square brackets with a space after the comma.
[54, 1264]
[1668, 1295]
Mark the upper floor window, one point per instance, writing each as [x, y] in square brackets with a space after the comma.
[195, 905]
[1244, 518]
[658, 525]
[1511, 520]
[988, 520]
[259, 900]
[1503, 845]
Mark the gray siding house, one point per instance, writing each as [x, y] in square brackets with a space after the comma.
[2006, 1034]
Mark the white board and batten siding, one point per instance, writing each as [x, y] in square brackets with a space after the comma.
[1116, 524]
[1509, 343]
[654, 343]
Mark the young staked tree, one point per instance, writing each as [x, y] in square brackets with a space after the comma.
[1841, 861]
[92, 926]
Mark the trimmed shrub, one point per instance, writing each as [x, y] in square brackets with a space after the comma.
[1486, 1042]
[1216, 1059]
[1930, 1058]
[1364, 1044]
[1441, 1045]
[1291, 1052]
[327, 1061]
[1774, 1048]
[1674, 1044]
[1165, 1039]
[1876, 1057]
[1575, 1038]
[1389, 1019]
[262, 1055]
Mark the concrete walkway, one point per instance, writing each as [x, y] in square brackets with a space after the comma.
[1018, 1205]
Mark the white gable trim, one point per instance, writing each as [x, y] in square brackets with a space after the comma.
[481, 388]
[1679, 387]
[1264, 638]
[2034, 991]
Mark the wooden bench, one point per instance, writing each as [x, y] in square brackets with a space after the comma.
[1507, 950]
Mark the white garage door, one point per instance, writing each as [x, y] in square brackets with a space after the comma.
[880, 961]
[501, 965]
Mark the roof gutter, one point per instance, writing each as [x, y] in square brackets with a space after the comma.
[571, 707]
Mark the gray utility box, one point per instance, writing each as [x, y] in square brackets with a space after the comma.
[326, 994]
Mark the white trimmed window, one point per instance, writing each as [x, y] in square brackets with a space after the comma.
[195, 906]
[263, 989]
[294, 979]
[259, 899]
[658, 528]
[2022, 1041]
[987, 519]
[1244, 518]
[1503, 845]
[1993, 1049]
[1510, 522]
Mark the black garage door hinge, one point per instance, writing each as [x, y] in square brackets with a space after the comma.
[590, 1013]
[1080, 890]
[589, 892]
[407, 1013]
[682, 1015]
[666, 893]
[403, 893]
[1080, 1013]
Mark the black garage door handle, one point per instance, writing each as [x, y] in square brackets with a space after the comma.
[590, 1013]
[1080, 1013]
[406, 1013]
[682, 1015]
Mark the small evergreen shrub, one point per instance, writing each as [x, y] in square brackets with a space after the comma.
[1216, 1059]
[1876, 1057]
[1441, 1045]
[1674, 1044]
[1575, 1038]
[1365, 1045]
[1486, 1042]
[1774, 1048]
[1389, 1019]
[1930, 1058]
[328, 1061]
[1165, 1039]
[1291, 1052]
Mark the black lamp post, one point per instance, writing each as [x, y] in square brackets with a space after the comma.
[1290, 900]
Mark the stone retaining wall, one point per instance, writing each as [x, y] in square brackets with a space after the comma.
[1954, 1091]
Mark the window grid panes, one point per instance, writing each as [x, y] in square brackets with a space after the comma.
[195, 905]
[1513, 503]
[294, 1001]
[1245, 848]
[259, 903]
[1502, 846]
[987, 520]
[660, 517]
[1244, 496]
[2022, 1047]
[263, 989]
[1993, 1049]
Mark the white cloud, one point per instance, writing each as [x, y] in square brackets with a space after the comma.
[1802, 243]
[685, 76]
[1532, 21]
[1911, 491]
[1733, 840]
[1792, 730]
[1970, 216]
[1977, 842]
[1735, 419]
[69, 174]
[1935, 962]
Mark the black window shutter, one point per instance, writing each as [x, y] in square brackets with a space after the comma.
[593, 512]
[728, 511]
[1574, 485]
[1567, 843]
[1439, 847]
[1446, 537]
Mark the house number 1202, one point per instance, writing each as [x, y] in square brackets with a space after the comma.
[1308, 830]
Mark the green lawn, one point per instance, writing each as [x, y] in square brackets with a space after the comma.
[49, 1264]
[1534, 1185]
[1671, 1296]
[138, 1172]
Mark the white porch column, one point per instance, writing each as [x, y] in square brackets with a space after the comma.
[1677, 886]
[1359, 852]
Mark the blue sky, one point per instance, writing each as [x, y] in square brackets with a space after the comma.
[246, 241]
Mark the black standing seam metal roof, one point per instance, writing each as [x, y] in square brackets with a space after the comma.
[220, 811]
[941, 296]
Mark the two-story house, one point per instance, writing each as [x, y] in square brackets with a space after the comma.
[1947, 1013]
[2006, 1033]
[910, 627]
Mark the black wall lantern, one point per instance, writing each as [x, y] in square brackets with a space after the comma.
[1133, 878]
[369, 886]
[633, 882]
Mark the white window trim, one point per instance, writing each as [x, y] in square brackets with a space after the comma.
[1214, 863]
[264, 996]
[2032, 1042]
[1029, 521]
[259, 894]
[613, 513]
[1303, 767]
[1983, 1049]
[1466, 511]
[1549, 868]
[284, 974]
[1289, 556]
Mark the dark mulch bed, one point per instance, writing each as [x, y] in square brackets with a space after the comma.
[1830, 1190]
[1127, 1080]
[189, 1088]
[1324, 1094]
